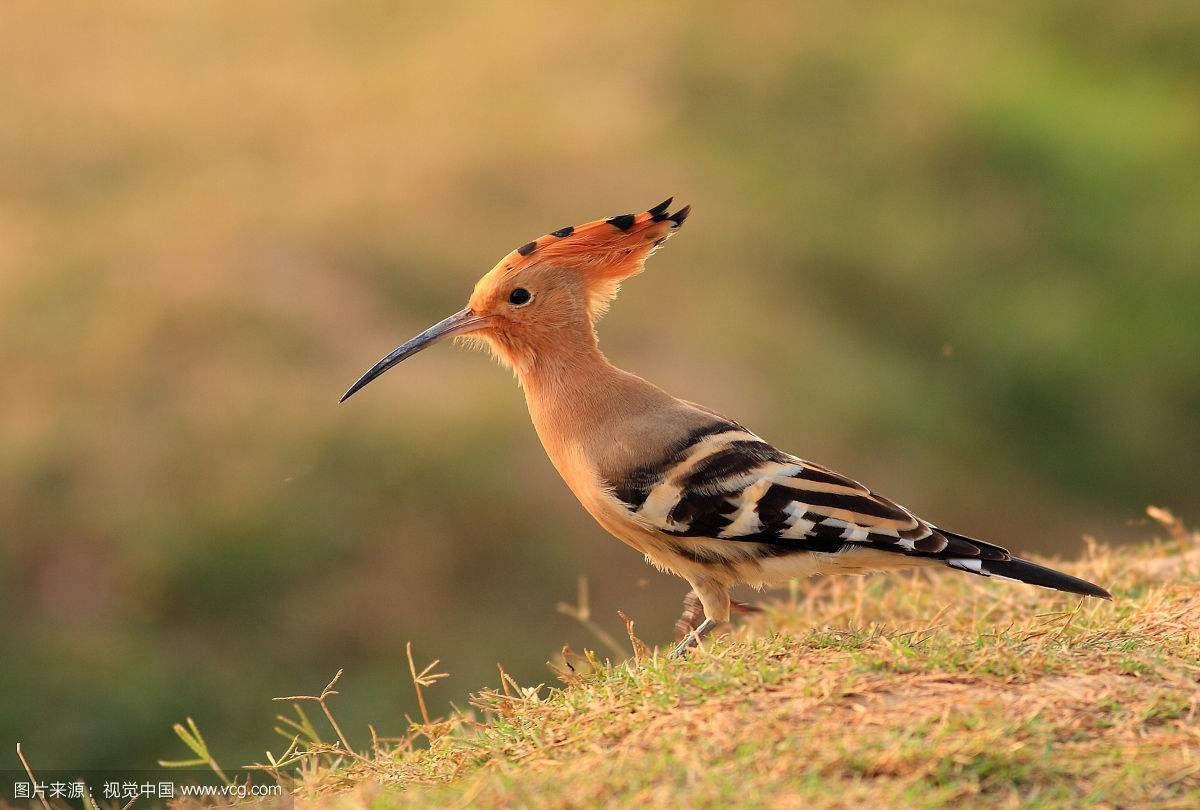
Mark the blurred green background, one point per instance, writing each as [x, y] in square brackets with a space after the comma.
[950, 248]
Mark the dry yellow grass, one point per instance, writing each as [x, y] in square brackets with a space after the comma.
[925, 690]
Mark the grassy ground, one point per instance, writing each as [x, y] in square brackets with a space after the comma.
[927, 690]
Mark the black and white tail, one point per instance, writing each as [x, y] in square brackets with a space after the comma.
[1015, 568]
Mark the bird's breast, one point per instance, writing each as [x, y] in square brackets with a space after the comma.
[584, 479]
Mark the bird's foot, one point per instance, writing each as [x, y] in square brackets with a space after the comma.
[693, 638]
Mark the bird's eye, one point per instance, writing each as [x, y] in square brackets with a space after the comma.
[520, 296]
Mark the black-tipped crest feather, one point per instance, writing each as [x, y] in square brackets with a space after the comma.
[659, 212]
[679, 216]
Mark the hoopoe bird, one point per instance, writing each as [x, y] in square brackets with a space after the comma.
[696, 493]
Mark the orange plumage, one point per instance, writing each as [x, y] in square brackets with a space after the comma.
[695, 492]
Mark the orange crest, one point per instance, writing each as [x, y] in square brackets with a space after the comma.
[604, 251]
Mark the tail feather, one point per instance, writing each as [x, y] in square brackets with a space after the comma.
[1032, 573]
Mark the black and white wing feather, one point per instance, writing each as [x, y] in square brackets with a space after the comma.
[722, 482]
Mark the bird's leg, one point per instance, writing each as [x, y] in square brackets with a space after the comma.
[693, 614]
[693, 638]
[711, 598]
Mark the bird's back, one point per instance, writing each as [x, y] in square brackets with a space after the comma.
[693, 489]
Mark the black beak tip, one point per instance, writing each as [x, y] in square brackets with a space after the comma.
[455, 324]
[351, 391]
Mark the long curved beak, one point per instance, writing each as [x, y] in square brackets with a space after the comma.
[459, 323]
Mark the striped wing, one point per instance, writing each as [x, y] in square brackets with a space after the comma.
[723, 482]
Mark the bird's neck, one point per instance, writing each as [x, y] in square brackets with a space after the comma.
[567, 385]
[576, 396]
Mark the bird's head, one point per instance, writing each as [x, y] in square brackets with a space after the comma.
[549, 292]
